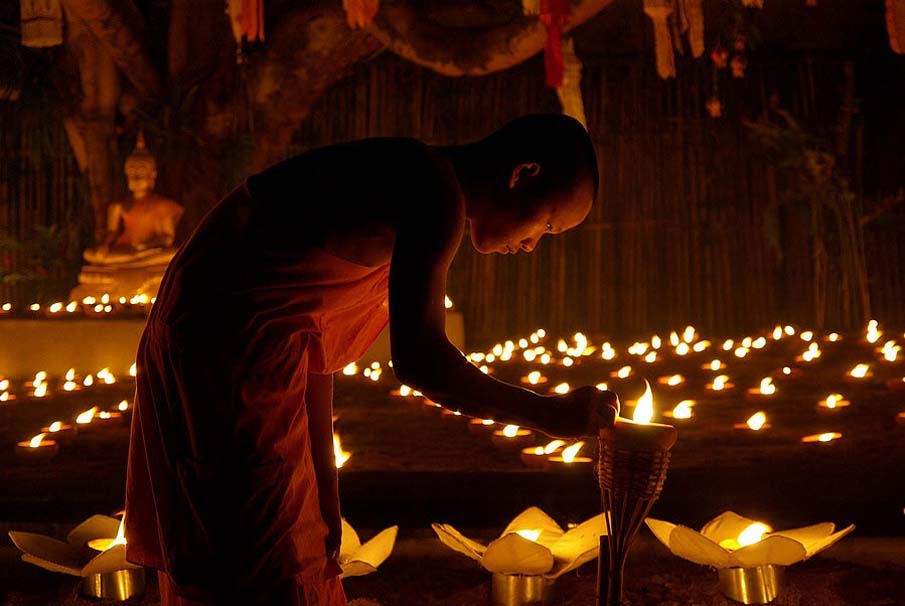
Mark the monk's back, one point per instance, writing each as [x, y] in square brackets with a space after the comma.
[347, 198]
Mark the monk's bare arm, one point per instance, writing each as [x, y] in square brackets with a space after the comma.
[423, 357]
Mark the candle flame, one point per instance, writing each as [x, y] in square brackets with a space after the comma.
[715, 365]
[767, 387]
[602, 386]
[70, 374]
[36, 441]
[552, 447]
[777, 333]
[624, 372]
[350, 369]
[754, 533]
[833, 399]
[41, 390]
[859, 371]
[55, 427]
[88, 381]
[757, 420]
[133, 370]
[123, 406]
[87, 416]
[682, 410]
[822, 437]
[570, 452]
[534, 376]
[562, 388]
[675, 380]
[719, 383]
[531, 535]
[644, 409]
[341, 456]
[510, 431]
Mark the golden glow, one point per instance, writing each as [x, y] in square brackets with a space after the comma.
[534, 377]
[36, 441]
[552, 447]
[510, 431]
[88, 381]
[777, 333]
[757, 421]
[673, 338]
[833, 337]
[531, 535]
[860, 371]
[786, 370]
[567, 361]
[562, 388]
[651, 357]
[570, 452]
[656, 342]
[741, 352]
[890, 351]
[41, 390]
[87, 416]
[822, 438]
[728, 344]
[806, 335]
[753, 533]
[644, 409]
[682, 349]
[70, 374]
[55, 427]
[106, 544]
[447, 302]
[701, 346]
[340, 456]
[123, 406]
[873, 332]
[720, 383]
[767, 387]
[682, 410]
[688, 334]
[759, 343]
[716, 365]
[624, 372]
[789, 330]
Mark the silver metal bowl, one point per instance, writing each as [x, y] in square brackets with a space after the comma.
[759, 585]
[116, 585]
[520, 590]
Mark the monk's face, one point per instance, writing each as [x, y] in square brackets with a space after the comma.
[517, 223]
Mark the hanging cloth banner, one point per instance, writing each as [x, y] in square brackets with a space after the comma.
[554, 14]
[694, 14]
[42, 22]
[659, 12]
[360, 13]
[247, 20]
[895, 25]
[570, 92]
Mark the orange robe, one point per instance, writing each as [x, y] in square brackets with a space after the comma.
[222, 491]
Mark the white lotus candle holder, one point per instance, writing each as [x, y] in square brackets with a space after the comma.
[103, 567]
[357, 558]
[531, 553]
[749, 556]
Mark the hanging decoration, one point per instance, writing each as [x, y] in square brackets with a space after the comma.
[554, 14]
[42, 23]
[895, 25]
[247, 20]
[659, 12]
[360, 13]
[694, 15]
[569, 92]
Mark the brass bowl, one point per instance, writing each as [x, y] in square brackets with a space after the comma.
[117, 585]
[520, 590]
[758, 585]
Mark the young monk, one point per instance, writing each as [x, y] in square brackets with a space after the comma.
[232, 486]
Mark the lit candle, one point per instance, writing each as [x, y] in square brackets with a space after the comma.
[534, 378]
[568, 459]
[834, 401]
[682, 410]
[622, 373]
[671, 380]
[639, 433]
[340, 456]
[756, 422]
[766, 389]
[37, 449]
[481, 426]
[753, 533]
[829, 437]
[109, 543]
[720, 383]
[536, 456]
[107, 418]
[60, 432]
[512, 437]
[859, 372]
[714, 365]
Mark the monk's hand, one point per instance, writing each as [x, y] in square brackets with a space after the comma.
[581, 412]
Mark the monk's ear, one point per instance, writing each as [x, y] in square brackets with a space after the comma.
[523, 170]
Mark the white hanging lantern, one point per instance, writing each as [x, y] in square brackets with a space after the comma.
[659, 12]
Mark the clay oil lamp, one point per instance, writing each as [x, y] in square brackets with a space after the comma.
[562, 389]
[671, 380]
[60, 432]
[714, 365]
[681, 411]
[832, 403]
[481, 427]
[85, 420]
[859, 373]
[70, 383]
[623, 373]
[512, 437]
[568, 459]
[720, 383]
[37, 449]
[766, 389]
[821, 439]
[536, 456]
[890, 351]
[534, 378]
[756, 422]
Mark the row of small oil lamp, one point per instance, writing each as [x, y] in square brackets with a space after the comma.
[102, 306]
[45, 445]
[39, 387]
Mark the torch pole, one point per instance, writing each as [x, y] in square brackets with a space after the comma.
[631, 474]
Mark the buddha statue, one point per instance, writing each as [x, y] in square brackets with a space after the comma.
[140, 235]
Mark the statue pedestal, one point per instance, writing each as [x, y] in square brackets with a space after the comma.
[120, 275]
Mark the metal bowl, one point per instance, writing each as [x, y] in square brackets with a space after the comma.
[521, 590]
[759, 585]
[116, 585]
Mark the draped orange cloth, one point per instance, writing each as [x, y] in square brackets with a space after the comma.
[223, 494]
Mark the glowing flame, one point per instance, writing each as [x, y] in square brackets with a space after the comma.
[341, 456]
[719, 383]
[87, 416]
[873, 332]
[777, 333]
[123, 406]
[767, 387]
[36, 441]
[757, 421]
[651, 357]
[567, 361]
[531, 535]
[88, 381]
[715, 365]
[673, 338]
[70, 374]
[570, 452]
[682, 410]
[688, 334]
[860, 371]
[552, 447]
[753, 533]
[602, 386]
[133, 370]
[350, 369]
[624, 372]
[806, 335]
[510, 431]
[447, 302]
[682, 349]
[701, 346]
[890, 351]
[822, 438]
[562, 388]
[4, 384]
[534, 377]
[41, 390]
[675, 380]
[833, 400]
[644, 409]
[741, 352]
[55, 427]
[656, 342]
[728, 344]
[759, 343]
[789, 330]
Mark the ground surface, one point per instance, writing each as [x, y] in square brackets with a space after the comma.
[411, 466]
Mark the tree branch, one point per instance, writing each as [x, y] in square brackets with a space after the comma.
[467, 52]
[117, 26]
